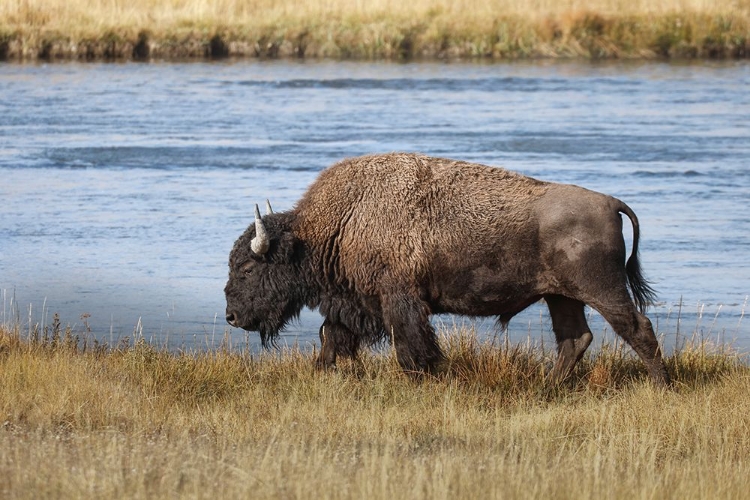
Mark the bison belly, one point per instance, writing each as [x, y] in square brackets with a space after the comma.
[483, 291]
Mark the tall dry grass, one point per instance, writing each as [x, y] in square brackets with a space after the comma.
[374, 29]
[142, 422]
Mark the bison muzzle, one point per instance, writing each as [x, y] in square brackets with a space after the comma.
[379, 243]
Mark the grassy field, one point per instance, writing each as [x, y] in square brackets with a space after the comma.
[141, 422]
[145, 29]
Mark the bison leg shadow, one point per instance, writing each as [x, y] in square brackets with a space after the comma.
[407, 321]
[336, 340]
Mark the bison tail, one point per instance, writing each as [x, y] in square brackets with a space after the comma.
[643, 294]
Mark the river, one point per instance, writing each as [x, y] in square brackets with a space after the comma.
[124, 185]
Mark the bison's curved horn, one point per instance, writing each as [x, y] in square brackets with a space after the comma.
[260, 243]
[269, 210]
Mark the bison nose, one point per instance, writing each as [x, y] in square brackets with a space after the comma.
[231, 318]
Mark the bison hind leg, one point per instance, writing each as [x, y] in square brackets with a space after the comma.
[636, 329]
[571, 332]
[336, 340]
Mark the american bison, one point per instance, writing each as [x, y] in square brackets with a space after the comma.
[379, 243]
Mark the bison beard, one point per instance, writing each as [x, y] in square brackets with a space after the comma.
[379, 243]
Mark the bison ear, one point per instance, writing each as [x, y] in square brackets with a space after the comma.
[260, 244]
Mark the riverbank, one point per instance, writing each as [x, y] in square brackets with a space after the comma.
[381, 29]
[141, 422]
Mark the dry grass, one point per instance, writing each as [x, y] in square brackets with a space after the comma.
[141, 29]
[141, 422]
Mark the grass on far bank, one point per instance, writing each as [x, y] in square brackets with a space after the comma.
[141, 422]
[496, 29]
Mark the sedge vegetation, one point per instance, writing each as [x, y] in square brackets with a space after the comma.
[392, 29]
[137, 421]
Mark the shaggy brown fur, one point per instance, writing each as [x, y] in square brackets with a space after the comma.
[379, 243]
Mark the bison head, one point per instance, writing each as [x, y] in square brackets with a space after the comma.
[265, 291]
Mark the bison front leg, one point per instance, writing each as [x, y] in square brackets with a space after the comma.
[571, 332]
[335, 340]
[407, 323]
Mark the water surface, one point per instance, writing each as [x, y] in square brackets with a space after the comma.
[124, 186]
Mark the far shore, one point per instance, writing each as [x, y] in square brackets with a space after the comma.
[382, 29]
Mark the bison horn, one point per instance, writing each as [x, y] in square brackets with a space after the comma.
[269, 210]
[260, 243]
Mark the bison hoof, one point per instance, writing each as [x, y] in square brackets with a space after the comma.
[324, 364]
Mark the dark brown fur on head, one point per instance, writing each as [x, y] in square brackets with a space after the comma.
[265, 292]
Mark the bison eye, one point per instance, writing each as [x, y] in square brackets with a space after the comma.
[246, 267]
